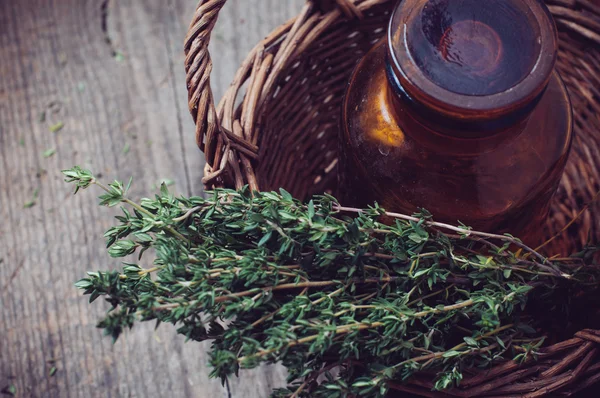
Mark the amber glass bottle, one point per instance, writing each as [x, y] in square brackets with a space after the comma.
[461, 112]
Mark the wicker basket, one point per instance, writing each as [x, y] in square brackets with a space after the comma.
[276, 126]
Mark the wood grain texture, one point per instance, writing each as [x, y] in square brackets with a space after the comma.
[112, 72]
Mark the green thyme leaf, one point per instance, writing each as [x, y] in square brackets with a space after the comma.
[49, 152]
[30, 203]
[55, 128]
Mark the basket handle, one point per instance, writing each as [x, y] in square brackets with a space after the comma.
[198, 66]
[211, 137]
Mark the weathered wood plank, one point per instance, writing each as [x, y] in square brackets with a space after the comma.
[112, 72]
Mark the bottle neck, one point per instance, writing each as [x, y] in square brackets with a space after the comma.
[457, 126]
[470, 67]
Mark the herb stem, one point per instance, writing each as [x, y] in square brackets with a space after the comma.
[463, 231]
[344, 329]
[285, 286]
[430, 295]
[437, 355]
[573, 220]
[150, 270]
[188, 214]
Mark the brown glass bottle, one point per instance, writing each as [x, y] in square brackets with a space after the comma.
[460, 111]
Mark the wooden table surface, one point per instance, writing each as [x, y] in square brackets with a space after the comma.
[112, 73]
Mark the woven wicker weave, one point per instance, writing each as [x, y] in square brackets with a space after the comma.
[283, 133]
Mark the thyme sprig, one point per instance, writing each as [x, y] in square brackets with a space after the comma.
[346, 304]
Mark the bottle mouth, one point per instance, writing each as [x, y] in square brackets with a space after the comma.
[472, 59]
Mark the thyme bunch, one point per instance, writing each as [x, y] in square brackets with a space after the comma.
[345, 302]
